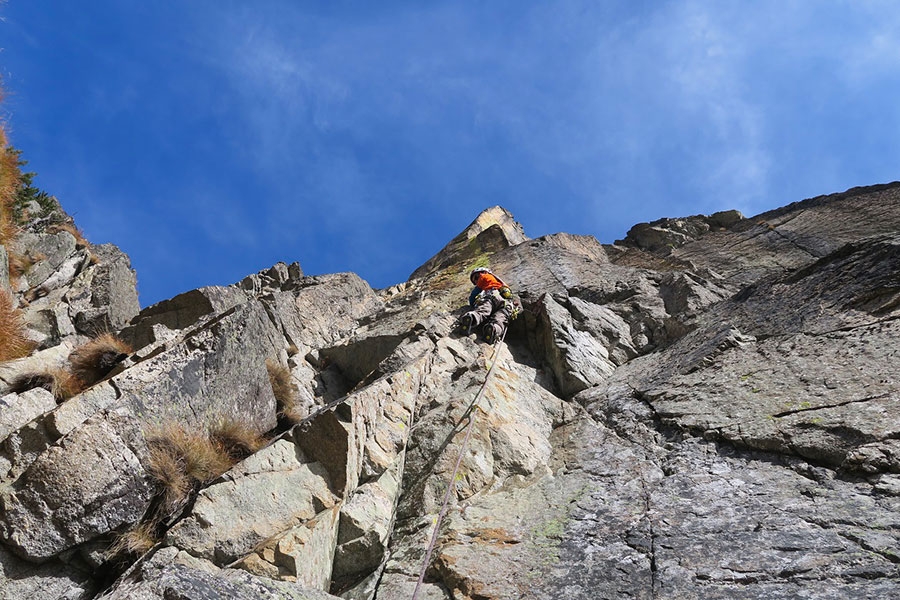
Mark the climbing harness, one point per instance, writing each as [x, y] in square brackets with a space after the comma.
[451, 485]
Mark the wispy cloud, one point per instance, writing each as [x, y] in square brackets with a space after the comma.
[873, 57]
[599, 100]
[362, 138]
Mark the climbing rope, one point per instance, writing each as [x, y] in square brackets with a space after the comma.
[451, 485]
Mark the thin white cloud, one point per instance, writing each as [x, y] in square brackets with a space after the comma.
[696, 58]
[669, 100]
[713, 86]
[875, 56]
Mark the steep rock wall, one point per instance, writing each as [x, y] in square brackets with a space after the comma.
[706, 409]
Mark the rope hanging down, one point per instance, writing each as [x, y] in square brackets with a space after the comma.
[451, 485]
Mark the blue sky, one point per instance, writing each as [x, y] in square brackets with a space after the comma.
[211, 139]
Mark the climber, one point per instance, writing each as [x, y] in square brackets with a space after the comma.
[491, 303]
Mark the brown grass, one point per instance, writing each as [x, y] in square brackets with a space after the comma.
[92, 361]
[13, 341]
[166, 467]
[80, 240]
[59, 382]
[19, 264]
[10, 176]
[136, 541]
[181, 459]
[8, 229]
[285, 392]
[237, 438]
[197, 456]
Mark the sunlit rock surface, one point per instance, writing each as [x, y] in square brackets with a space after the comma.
[706, 409]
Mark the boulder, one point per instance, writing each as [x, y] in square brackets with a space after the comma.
[725, 219]
[370, 436]
[215, 369]
[279, 277]
[180, 312]
[17, 410]
[169, 575]
[266, 495]
[50, 581]
[304, 554]
[492, 230]
[24, 445]
[88, 484]
[323, 309]
[50, 249]
[110, 300]
[365, 527]
[577, 358]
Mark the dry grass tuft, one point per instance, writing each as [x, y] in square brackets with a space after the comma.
[166, 467]
[293, 414]
[92, 361]
[180, 459]
[136, 541]
[8, 228]
[13, 341]
[238, 439]
[59, 382]
[80, 240]
[280, 378]
[10, 177]
[285, 392]
[19, 264]
[198, 457]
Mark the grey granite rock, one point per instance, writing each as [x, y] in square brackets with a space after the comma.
[113, 299]
[214, 369]
[88, 484]
[50, 581]
[169, 575]
[17, 410]
[51, 250]
[275, 490]
[705, 410]
[180, 312]
[4, 268]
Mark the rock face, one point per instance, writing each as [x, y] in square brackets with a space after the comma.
[89, 483]
[706, 409]
[72, 289]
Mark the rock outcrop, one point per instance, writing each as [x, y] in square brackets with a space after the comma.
[706, 409]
